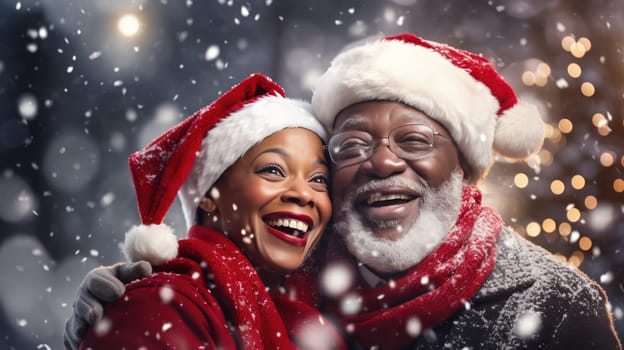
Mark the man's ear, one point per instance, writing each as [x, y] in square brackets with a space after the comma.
[464, 167]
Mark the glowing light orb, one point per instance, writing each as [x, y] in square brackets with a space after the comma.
[128, 25]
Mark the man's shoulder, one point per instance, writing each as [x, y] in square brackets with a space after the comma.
[523, 265]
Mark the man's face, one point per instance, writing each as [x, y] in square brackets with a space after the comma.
[389, 208]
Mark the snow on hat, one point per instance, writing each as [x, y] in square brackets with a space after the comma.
[459, 89]
[190, 157]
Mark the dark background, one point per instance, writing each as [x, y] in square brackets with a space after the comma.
[77, 97]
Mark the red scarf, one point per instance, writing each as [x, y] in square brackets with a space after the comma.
[260, 323]
[392, 314]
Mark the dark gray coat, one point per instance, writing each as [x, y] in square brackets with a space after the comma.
[530, 301]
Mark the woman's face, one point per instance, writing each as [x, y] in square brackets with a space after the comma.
[274, 201]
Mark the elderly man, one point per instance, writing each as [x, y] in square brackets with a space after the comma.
[422, 263]
[415, 125]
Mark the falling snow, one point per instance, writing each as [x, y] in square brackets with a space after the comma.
[528, 324]
[78, 98]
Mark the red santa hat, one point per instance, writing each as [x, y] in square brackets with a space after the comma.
[190, 157]
[459, 89]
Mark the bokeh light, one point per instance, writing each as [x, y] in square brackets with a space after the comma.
[533, 229]
[557, 187]
[565, 229]
[128, 25]
[618, 185]
[549, 225]
[577, 182]
[576, 259]
[84, 84]
[591, 202]
[574, 70]
[607, 159]
[588, 89]
[521, 180]
[565, 126]
[573, 214]
[585, 243]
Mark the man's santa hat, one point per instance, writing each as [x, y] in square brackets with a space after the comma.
[190, 157]
[459, 89]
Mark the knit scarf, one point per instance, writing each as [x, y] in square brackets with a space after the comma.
[259, 320]
[210, 255]
[394, 314]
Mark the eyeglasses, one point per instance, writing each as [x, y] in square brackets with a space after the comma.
[408, 142]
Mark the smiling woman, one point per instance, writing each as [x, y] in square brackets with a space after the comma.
[252, 177]
[274, 201]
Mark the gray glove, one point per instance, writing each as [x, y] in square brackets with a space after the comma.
[101, 285]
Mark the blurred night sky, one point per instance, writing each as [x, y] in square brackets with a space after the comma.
[79, 92]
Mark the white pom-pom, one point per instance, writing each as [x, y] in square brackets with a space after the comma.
[156, 244]
[519, 131]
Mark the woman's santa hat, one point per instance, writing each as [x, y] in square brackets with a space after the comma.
[459, 89]
[190, 157]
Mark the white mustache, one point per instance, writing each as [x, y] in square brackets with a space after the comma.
[373, 185]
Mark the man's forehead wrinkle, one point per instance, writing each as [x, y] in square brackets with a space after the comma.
[354, 121]
[362, 121]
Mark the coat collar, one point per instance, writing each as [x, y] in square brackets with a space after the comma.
[510, 272]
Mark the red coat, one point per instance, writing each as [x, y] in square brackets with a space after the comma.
[209, 297]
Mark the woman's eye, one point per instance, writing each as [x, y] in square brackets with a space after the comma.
[320, 179]
[271, 169]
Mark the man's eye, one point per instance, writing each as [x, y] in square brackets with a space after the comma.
[351, 143]
[413, 141]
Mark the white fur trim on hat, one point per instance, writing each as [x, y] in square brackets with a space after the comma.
[156, 244]
[520, 131]
[234, 135]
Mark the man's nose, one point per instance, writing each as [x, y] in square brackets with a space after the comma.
[383, 162]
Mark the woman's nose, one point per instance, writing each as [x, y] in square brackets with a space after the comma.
[299, 192]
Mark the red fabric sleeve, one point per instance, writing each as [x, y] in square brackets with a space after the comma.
[163, 311]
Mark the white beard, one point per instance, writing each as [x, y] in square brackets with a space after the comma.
[438, 214]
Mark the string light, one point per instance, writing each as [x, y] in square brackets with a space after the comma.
[604, 130]
[588, 89]
[577, 182]
[567, 43]
[578, 50]
[557, 187]
[576, 258]
[533, 229]
[546, 157]
[618, 185]
[585, 243]
[607, 159]
[591, 202]
[599, 120]
[574, 70]
[565, 126]
[539, 77]
[521, 180]
[565, 229]
[585, 42]
[573, 215]
[528, 78]
[549, 225]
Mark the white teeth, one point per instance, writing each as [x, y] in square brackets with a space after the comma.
[290, 223]
[377, 197]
